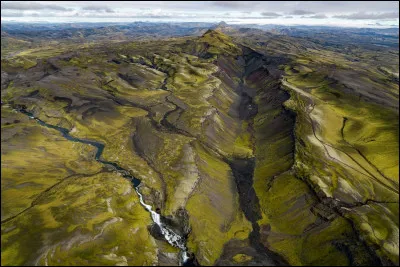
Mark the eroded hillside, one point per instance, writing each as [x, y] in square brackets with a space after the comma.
[250, 154]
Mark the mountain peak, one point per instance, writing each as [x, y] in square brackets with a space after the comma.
[219, 42]
[215, 33]
[222, 24]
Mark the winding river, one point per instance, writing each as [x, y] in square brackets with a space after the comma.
[172, 237]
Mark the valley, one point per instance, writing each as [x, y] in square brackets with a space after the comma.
[246, 147]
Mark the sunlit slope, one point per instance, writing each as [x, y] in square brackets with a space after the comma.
[321, 130]
[349, 143]
[149, 112]
[59, 205]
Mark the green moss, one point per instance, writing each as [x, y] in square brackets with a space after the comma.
[82, 208]
[352, 167]
[379, 223]
[25, 151]
[241, 258]
[20, 62]
[220, 43]
[287, 205]
[243, 143]
[100, 229]
[222, 217]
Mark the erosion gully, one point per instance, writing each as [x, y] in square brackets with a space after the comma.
[170, 235]
[243, 170]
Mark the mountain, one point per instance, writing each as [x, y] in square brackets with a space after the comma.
[228, 146]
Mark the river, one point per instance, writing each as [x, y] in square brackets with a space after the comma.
[171, 236]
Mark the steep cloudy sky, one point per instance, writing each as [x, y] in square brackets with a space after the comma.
[335, 13]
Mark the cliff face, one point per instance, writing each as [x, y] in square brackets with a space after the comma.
[230, 150]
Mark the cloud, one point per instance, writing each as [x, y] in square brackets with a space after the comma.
[12, 14]
[363, 15]
[301, 12]
[254, 18]
[19, 14]
[270, 14]
[140, 15]
[236, 4]
[310, 12]
[31, 6]
[98, 8]
[318, 16]
[226, 3]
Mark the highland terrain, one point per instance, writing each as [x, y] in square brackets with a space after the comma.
[254, 146]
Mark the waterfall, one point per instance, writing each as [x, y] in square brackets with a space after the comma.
[173, 238]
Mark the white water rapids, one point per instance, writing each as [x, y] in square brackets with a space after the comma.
[173, 238]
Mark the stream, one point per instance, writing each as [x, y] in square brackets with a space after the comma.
[172, 237]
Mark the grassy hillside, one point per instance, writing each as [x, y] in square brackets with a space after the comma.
[285, 153]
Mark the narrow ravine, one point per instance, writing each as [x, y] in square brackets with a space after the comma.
[170, 236]
[251, 86]
[243, 171]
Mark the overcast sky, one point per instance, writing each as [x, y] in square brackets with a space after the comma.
[332, 13]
